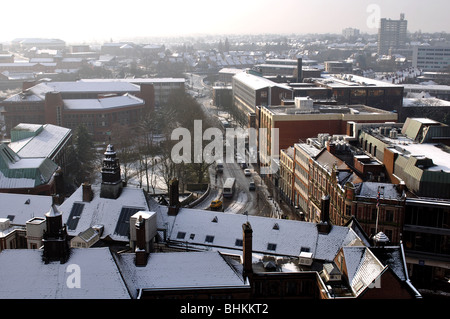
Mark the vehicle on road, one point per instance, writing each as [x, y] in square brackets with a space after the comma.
[228, 187]
[251, 186]
[247, 172]
[219, 167]
[216, 205]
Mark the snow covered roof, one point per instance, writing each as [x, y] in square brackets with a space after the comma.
[113, 214]
[42, 143]
[362, 268]
[257, 82]
[16, 172]
[20, 208]
[179, 270]
[289, 238]
[104, 103]
[25, 276]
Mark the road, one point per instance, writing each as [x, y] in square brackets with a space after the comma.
[255, 202]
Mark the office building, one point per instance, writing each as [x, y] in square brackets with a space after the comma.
[431, 58]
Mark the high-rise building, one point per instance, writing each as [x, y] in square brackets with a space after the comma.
[391, 34]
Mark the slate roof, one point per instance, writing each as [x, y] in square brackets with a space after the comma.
[103, 211]
[23, 207]
[179, 270]
[288, 240]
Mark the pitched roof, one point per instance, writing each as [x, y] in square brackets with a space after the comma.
[22, 208]
[179, 270]
[33, 140]
[25, 276]
[288, 240]
[113, 214]
[362, 267]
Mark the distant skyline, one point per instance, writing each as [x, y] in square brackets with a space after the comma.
[100, 20]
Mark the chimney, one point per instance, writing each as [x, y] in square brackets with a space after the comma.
[247, 249]
[174, 201]
[299, 70]
[141, 245]
[324, 227]
[331, 147]
[88, 194]
[27, 84]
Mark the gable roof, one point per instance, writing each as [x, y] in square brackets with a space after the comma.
[363, 268]
[25, 276]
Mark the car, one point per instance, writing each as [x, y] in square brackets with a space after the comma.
[216, 204]
[251, 186]
[247, 172]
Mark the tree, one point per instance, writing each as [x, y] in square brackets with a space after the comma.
[81, 159]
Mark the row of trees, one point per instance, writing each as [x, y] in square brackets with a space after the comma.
[144, 151]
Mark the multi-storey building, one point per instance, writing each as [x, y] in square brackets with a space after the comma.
[431, 58]
[97, 105]
[287, 174]
[304, 120]
[251, 90]
[392, 34]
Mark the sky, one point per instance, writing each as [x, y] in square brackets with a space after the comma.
[102, 20]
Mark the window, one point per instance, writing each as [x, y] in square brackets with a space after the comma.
[239, 242]
[192, 237]
[271, 246]
[305, 249]
[389, 215]
[181, 235]
[209, 239]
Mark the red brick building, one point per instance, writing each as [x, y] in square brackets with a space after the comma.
[97, 105]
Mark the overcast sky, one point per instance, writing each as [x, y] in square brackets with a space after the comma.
[88, 20]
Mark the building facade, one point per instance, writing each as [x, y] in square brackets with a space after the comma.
[391, 35]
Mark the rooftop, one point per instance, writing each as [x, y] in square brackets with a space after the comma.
[25, 276]
[102, 104]
[113, 214]
[179, 270]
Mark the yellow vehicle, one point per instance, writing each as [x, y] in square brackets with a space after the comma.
[216, 204]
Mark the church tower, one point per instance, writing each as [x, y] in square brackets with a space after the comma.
[111, 180]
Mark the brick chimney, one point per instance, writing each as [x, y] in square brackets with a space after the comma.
[247, 249]
[88, 194]
[141, 246]
[324, 227]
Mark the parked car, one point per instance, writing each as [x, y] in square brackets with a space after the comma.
[247, 172]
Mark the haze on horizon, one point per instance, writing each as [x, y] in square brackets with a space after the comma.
[101, 20]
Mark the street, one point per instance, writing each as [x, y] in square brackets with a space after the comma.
[254, 202]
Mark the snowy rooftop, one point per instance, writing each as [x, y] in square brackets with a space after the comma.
[179, 270]
[347, 80]
[20, 208]
[25, 276]
[102, 104]
[257, 82]
[41, 145]
[113, 214]
[270, 236]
